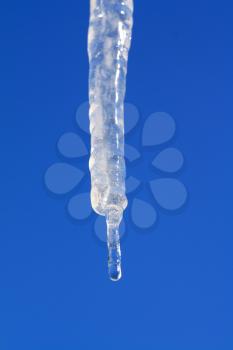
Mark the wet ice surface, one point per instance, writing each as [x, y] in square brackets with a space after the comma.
[109, 39]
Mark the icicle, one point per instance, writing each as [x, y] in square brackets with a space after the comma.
[109, 40]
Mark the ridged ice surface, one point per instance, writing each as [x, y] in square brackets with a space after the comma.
[109, 39]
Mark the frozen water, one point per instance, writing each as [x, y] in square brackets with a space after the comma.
[109, 40]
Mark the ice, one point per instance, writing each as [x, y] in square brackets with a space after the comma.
[109, 38]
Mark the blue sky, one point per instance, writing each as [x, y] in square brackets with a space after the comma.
[176, 292]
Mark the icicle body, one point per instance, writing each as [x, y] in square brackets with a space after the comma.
[109, 40]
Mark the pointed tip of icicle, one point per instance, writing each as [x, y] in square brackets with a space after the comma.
[114, 250]
[114, 273]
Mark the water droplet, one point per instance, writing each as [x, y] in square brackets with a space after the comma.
[143, 214]
[79, 206]
[131, 153]
[170, 193]
[169, 160]
[131, 184]
[70, 145]
[158, 128]
[61, 178]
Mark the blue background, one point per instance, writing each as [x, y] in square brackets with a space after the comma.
[177, 287]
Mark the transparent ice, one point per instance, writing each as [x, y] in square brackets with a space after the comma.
[109, 38]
